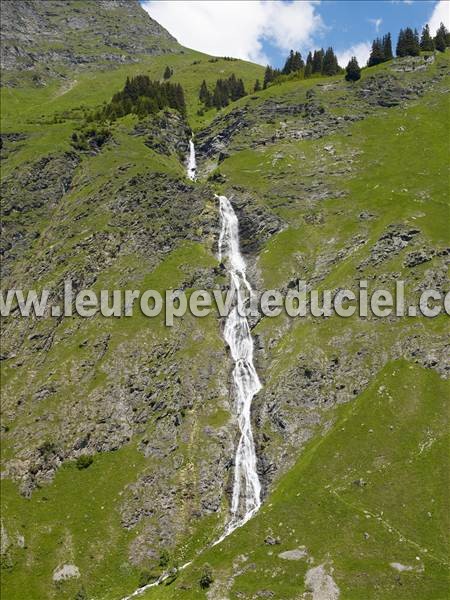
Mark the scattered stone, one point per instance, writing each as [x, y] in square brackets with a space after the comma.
[68, 571]
[296, 554]
[321, 584]
[272, 541]
[418, 257]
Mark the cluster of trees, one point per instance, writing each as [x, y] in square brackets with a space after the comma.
[224, 91]
[270, 75]
[381, 50]
[409, 43]
[320, 62]
[440, 41]
[142, 96]
[294, 62]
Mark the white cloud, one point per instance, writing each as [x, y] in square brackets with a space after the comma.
[440, 14]
[376, 23]
[361, 51]
[238, 27]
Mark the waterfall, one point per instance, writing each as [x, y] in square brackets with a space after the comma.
[160, 580]
[246, 498]
[192, 163]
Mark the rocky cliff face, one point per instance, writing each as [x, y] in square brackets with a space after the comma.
[49, 37]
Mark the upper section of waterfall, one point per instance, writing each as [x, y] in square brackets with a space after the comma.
[192, 163]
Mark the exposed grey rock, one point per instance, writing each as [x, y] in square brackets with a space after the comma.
[296, 554]
[63, 572]
[389, 244]
[26, 23]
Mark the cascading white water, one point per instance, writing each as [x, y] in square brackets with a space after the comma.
[192, 163]
[160, 580]
[246, 498]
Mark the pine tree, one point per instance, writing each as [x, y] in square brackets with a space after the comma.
[426, 41]
[297, 62]
[412, 45]
[205, 95]
[167, 73]
[238, 90]
[257, 86]
[288, 64]
[221, 94]
[408, 43]
[387, 47]
[308, 70]
[441, 38]
[330, 64]
[352, 70]
[203, 91]
[377, 54]
[401, 46]
[268, 76]
[415, 45]
[317, 62]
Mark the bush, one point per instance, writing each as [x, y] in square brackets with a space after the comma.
[146, 577]
[84, 461]
[164, 559]
[81, 595]
[206, 578]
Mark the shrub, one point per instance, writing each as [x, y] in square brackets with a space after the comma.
[206, 578]
[164, 559]
[146, 577]
[84, 461]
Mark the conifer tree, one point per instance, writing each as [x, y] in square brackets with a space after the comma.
[426, 41]
[377, 53]
[294, 62]
[205, 95]
[257, 86]
[203, 91]
[415, 44]
[317, 62]
[167, 73]
[297, 62]
[352, 70]
[408, 43]
[268, 76]
[221, 94]
[387, 47]
[441, 39]
[401, 46]
[412, 45]
[288, 64]
[330, 64]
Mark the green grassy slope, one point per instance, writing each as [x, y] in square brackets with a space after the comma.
[389, 440]
[367, 493]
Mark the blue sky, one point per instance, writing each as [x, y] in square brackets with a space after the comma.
[264, 30]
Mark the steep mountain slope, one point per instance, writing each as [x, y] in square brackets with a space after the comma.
[349, 438]
[53, 38]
